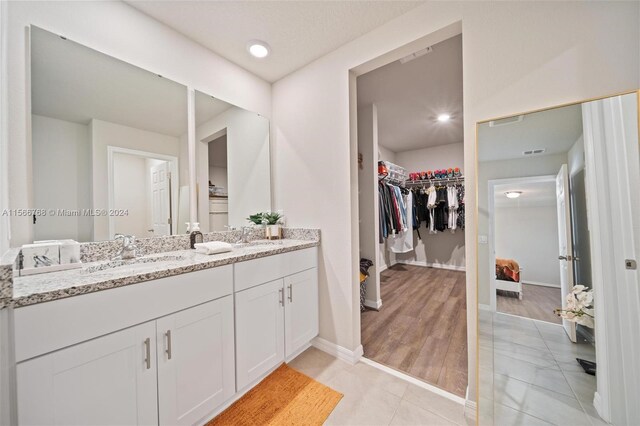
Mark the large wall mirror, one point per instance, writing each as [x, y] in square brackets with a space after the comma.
[233, 167]
[109, 145]
[558, 293]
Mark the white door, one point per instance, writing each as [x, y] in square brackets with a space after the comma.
[301, 310]
[565, 253]
[160, 199]
[195, 362]
[110, 380]
[259, 331]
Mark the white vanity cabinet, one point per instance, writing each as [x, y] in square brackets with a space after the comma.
[171, 351]
[172, 370]
[195, 361]
[259, 331]
[274, 319]
[108, 380]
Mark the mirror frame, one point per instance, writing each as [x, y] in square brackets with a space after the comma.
[604, 348]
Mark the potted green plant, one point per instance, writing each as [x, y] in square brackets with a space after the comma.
[272, 221]
[273, 224]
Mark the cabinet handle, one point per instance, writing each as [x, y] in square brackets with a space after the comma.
[290, 292]
[147, 352]
[168, 334]
[281, 296]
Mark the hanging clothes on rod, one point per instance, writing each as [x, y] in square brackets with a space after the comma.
[396, 217]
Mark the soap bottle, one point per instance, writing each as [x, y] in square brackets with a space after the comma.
[196, 236]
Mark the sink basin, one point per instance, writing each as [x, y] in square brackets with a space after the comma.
[139, 263]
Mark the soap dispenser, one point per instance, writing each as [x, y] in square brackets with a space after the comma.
[196, 236]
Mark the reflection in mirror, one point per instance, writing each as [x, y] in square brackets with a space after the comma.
[233, 170]
[558, 223]
[109, 145]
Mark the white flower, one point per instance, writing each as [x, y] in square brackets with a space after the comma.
[578, 289]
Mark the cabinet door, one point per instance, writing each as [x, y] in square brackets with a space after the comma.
[259, 331]
[110, 380]
[195, 362]
[301, 309]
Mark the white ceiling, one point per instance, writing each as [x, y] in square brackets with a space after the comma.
[74, 83]
[533, 194]
[555, 130]
[410, 96]
[297, 31]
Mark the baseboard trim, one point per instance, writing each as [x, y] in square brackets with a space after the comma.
[342, 353]
[436, 265]
[470, 407]
[600, 409]
[373, 304]
[414, 381]
[541, 284]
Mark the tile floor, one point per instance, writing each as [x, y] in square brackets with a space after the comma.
[531, 367]
[373, 397]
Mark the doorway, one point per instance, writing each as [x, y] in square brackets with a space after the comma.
[411, 216]
[132, 175]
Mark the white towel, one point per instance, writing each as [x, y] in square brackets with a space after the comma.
[213, 247]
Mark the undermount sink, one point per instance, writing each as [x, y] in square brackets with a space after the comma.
[132, 264]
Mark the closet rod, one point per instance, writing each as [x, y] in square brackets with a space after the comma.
[425, 181]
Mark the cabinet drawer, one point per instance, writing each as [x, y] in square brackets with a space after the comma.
[49, 326]
[258, 271]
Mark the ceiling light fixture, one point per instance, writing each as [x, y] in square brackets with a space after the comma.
[258, 49]
[444, 117]
[513, 194]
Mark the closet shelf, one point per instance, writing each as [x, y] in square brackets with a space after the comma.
[459, 179]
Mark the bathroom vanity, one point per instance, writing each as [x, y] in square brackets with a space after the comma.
[167, 341]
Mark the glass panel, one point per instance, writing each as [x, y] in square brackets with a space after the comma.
[232, 151]
[558, 218]
[109, 145]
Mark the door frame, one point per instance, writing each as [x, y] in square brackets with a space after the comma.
[492, 184]
[173, 167]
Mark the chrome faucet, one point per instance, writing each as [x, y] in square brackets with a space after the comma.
[244, 239]
[129, 249]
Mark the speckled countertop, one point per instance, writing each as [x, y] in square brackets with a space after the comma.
[165, 256]
[102, 275]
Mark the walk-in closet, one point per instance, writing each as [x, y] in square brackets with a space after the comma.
[412, 216]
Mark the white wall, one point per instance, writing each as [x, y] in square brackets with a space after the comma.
[218, 176]
[62, 177]
[119, 30]
[529, 234]
[443, 249]
[505, 71]
[104, 134]
[248, 177]
[130, 178]
[575, 157]
[504, 169]
[368, 204]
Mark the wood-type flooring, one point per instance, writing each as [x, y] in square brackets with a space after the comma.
[421, 328]
[538, 302]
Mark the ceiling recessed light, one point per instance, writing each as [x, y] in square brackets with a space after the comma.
[513, 194]
[444, 117]
[258, 49]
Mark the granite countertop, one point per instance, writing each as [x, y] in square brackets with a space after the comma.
[102, 275]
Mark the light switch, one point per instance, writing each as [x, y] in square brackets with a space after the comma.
[483, 239]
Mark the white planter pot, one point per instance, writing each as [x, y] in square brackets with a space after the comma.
[273, 232]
